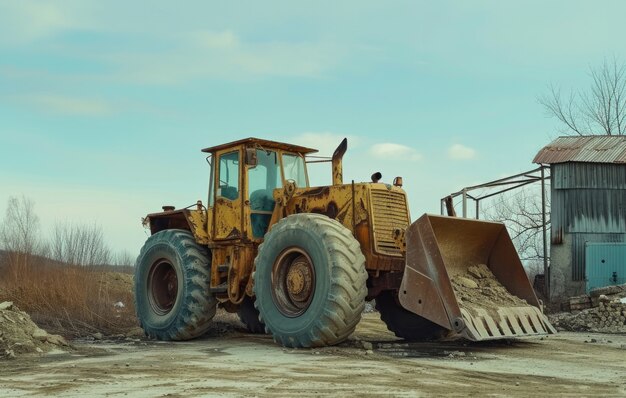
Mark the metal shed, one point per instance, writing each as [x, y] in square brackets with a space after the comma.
[588, 192]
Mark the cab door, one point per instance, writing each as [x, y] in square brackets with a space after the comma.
[262, 178]
[228, 195]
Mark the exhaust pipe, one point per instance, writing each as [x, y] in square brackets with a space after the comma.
[337, 162]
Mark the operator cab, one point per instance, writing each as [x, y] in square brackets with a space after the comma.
[243, 177]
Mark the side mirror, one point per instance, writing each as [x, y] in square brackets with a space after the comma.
[251, 159]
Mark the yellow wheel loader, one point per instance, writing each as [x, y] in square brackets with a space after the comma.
[299, 262]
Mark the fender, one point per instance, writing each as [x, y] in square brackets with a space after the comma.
[194, 221]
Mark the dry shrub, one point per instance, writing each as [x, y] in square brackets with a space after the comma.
[72, 300]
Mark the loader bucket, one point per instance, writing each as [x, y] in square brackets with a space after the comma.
[465, 275]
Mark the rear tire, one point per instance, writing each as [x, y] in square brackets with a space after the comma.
[172, 276]
[309, 281]
[249, 316]
[403, 323]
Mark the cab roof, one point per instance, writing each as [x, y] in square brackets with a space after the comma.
[263, 143]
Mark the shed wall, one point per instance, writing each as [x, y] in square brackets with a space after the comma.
[588, 205]
[589, 175]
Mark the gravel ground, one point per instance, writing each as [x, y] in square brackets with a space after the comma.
[230, 362]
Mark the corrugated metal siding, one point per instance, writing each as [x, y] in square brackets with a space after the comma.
[588, 175]
[588, 202]
[593, 149]
[606, 264]
[589, 210]
[579, 241]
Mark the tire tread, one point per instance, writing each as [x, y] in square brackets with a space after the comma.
[198, 306]
[346, 298]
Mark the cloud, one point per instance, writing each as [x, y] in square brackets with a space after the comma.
[461, 152]
[184, 53]
[67, 105]
[221, 55]
[26, 21]
[391, 151]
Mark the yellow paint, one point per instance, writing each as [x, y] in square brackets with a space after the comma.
[373, 212]
[198, 225]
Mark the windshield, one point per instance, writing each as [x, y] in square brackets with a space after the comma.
[266, 174]
[293, 167]
[262, 180]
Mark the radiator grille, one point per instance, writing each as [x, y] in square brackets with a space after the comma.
[389, 211]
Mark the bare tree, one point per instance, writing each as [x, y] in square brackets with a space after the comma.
[600, 110]
[19, 233]
[77, 244]
[522, 215]
[124, 259]
[20, 228]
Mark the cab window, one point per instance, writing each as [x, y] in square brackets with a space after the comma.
[293, 167]
[229, 176]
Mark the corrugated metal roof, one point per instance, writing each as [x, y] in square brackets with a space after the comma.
[591, 149]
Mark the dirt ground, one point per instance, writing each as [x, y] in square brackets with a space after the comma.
[229, 362]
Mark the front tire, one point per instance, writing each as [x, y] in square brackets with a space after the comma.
[310, 281]
[172, 276]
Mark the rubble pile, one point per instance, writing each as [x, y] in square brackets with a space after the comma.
[603, 310]
[477, 288]
[19, 335]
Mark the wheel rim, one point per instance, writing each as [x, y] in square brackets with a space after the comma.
[162, 287]
[293, 282]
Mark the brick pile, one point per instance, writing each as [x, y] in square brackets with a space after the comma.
[603, 310]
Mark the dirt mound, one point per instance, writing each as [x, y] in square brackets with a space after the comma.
[19, 335]
[478, 288]
[117, 281]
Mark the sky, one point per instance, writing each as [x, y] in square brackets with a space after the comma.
[104, 106]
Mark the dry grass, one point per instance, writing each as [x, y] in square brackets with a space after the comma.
[71, 300]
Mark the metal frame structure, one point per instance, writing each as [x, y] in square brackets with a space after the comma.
[501, 186]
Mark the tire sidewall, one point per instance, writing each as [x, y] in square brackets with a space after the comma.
[156, 250]
[310, 241]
